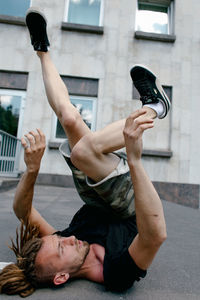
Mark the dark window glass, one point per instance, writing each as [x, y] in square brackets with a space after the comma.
[15, 8]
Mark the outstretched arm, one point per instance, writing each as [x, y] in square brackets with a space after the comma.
[148, 206]
[24, 193]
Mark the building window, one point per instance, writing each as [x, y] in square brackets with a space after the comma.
[155, 16]
[87, 12]
[11, 117]
[83, 95]
[16, 8]
[12, 101]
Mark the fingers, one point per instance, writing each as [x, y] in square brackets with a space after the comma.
[135, 131]
[137, 123]
[141, 128]
[137, 119]
[33, 140]
[140, 112]
[24, 143]
[35, 136]
[42, 136]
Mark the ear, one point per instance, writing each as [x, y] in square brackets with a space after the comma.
[60, 278]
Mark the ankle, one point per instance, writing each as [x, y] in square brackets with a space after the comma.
[150, 112]
[154, 109]
[41, 54]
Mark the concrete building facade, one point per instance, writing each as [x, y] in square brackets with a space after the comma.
[94, 60]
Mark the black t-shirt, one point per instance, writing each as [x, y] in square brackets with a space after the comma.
[91, 225]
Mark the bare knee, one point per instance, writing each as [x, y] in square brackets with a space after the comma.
[68, 118]
[84, 151]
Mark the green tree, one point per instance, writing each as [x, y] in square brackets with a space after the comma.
[8, 121]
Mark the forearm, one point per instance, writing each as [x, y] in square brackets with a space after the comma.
[148, 206]
[24, 195]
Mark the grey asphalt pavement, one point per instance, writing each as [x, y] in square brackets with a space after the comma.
[174, 274]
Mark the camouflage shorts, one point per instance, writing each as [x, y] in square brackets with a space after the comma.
[114, 194]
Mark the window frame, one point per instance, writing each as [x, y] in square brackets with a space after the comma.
[66, 11]
[94, 114]
[170, 13]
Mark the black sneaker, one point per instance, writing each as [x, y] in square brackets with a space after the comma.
[36, 23]
[149, 88]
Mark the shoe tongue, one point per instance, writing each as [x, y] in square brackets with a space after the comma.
[146, 100]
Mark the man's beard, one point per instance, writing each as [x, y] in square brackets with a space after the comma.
[87, 249]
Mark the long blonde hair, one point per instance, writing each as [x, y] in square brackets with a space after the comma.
[20, 278]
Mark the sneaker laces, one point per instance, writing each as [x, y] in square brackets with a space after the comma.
[145, 90]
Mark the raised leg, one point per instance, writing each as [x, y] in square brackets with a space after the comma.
[58, 98]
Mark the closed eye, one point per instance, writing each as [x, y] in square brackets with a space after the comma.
[60, 249]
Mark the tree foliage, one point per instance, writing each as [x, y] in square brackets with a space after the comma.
[8, 121]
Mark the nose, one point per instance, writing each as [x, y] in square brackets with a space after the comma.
[69, 240]
[72, 239]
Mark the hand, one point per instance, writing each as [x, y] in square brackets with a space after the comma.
[135, 125]
[34, 151]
